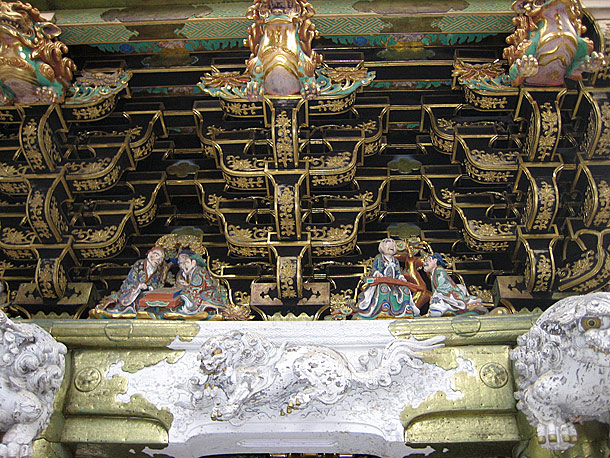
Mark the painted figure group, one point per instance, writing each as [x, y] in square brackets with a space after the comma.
[193, 293]
[389, 293]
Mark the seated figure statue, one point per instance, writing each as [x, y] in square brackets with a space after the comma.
[200, 291]
[387, 292]
[145, 275]
[448, 296]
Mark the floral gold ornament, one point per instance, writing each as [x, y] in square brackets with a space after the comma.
[346, 74]
[284, 148]
[466, 71]
[287, 277]
[286, 211]
[216, 79]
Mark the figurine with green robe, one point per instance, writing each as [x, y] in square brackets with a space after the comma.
[387, 292]
[448, 297]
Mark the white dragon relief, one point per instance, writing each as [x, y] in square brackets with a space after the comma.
[31, 372]
[563, 363]
[242, 371]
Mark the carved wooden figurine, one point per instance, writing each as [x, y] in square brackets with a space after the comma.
[387, 292]
[448, 296]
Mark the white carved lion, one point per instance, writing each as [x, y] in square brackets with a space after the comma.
[563, 364]
[31, 372]
[244, 371]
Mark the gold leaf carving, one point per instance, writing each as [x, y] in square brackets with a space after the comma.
[12, 236]
[492, 229]
[95, 235]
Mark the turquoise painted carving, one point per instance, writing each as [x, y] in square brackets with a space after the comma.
[282, 61]
[33, 68]
[329, 81]
[546, 47]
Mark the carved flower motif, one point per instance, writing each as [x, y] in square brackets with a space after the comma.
[220, 79]
[347, 74]
[465, 71]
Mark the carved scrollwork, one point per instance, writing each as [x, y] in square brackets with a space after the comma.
[485, 102]
[549, 132]
[286, 208]
[32, 370]
[12, 236]
[36, 215]
[333, 179]
[244, 182]
[29, 141]
[241, 109]
[242, 164]
[539, 272]
[284, 142]
[573, 270]
[491, 167]
[105, 251]
[540, 205]
[98, 184]
[289, 282]
[328, 233]
[330, 161]
[596, 205]
[243, 234]
[335, 250]
[334, 105]
[487, 229]
[579, 359]
[316, 374]
[95, 235]
[51, 278]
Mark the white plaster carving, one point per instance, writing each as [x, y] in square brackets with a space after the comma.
[31, 372]
[245, 371]
[563, 364]
[363, 420]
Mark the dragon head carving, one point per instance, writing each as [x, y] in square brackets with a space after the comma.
[583, 324]
[233, 349]
[33, 68]
[32, 367]
[563, 363]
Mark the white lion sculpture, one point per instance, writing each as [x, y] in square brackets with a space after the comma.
[563, 364]
[244, 371]
[31, 372]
